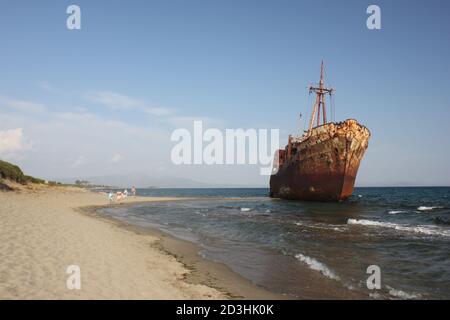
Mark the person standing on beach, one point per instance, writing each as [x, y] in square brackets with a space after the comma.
[110, 197]
[133, 191]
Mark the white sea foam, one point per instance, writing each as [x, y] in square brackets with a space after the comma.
[426, 229]
[370, 223]
[317, 266]
[375, 295]
[395, 211]
[245, 209]
[200, 213]
[402, 294]
[424, 208]
[320, 226]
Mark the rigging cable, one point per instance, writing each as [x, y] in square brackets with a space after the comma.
[333, 112]
[305, 119]
[328, 83]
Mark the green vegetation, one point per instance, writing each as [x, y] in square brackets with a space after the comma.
[34, 180]
[12, 172]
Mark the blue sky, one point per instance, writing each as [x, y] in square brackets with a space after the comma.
[104, 99]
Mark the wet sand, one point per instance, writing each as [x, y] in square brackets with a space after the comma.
[46, 229]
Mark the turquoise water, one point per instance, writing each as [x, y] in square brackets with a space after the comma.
[404, 231]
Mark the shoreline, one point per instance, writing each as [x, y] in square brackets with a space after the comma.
[202, 271]
[44, 230]
[316, 285]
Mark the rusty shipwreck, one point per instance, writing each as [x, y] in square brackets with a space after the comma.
[322, 163]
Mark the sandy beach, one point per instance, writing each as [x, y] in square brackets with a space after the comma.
[44, 231]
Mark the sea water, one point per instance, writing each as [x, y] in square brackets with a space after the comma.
[403, 231]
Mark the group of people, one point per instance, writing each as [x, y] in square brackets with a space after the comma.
[119, 195]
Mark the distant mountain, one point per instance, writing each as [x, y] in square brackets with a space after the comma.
[141, 180]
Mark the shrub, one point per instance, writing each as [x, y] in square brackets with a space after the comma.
[33, 179]
[12, 172]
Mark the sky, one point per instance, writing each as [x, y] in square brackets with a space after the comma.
[105, 99]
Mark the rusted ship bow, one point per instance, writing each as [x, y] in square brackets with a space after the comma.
[320, 165]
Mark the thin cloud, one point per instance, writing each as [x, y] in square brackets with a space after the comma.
[80, 143]
[21, 105]
[188, 122]
[119, 101]
[115, 100]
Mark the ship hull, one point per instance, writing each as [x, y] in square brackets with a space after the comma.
[322, 167]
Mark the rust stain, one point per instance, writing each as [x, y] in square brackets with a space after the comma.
[323, 166]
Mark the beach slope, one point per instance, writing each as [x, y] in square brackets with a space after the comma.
[42, 233]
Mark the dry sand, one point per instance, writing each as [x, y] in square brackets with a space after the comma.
[41, 235]
[43, 231]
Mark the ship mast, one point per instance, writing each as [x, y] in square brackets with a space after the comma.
[319, 105]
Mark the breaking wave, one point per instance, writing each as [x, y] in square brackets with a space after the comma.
[317, 266]
[428, 230]
[246, 209]
[320, 226]
[424, 208]
[395, 211]
[402, 294]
